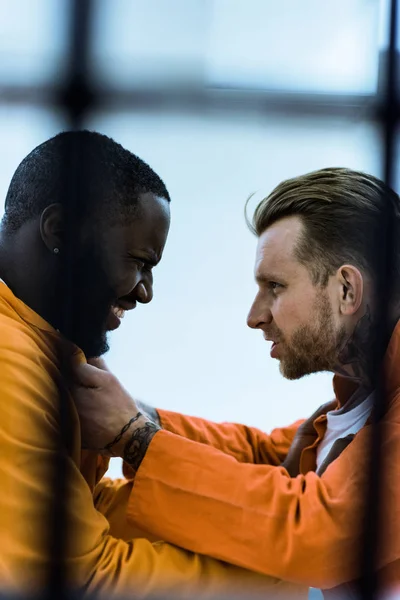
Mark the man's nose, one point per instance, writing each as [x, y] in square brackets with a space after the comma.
[259, 315]
[144, 292]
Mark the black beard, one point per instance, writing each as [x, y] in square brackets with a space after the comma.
[85, 303]
[90, 335]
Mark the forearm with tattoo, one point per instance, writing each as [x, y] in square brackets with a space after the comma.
[109, 447]
[136, 447]
[132, 447]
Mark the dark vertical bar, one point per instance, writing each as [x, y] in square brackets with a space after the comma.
[75, 99]
[76, 95]
[372, 539]
[391, 104]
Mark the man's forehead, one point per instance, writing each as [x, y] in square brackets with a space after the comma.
[275, 249]
[151, 206]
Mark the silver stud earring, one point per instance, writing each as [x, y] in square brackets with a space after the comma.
[56, 250]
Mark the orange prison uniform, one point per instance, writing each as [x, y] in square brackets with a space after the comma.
[102, 554]
[219, 490]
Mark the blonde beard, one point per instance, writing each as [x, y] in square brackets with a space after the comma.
[314, 346]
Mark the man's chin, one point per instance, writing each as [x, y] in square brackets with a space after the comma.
[291, 371]
[294, 371]
[99, 350]
[94, 347]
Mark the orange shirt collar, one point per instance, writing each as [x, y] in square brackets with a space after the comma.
[32, 317]
[26, 313]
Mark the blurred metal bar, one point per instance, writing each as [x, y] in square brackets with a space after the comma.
[390, 116]
[111, 98]
[75, 99]
[369, 585]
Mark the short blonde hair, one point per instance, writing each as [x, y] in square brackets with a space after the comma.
[346, 217]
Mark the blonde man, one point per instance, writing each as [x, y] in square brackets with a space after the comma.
[289, 504]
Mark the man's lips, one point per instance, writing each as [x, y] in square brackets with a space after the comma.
[114, 319]
[269, 339]
[274, 352]
[274, 348]
[117, 313]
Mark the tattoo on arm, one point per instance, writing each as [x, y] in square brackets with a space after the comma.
[125, 428]
[136, 447]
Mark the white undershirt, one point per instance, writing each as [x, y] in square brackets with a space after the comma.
[341, 424]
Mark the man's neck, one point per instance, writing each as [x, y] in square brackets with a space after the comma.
[362, 355]
[356, 356]
[23, 271]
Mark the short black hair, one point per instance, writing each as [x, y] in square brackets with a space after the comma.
[112, 179]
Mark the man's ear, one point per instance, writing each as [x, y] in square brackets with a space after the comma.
[51, 227]
[350, 289]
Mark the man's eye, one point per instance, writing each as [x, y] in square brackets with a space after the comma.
[274, 285]
[143, 266]
[137, 261]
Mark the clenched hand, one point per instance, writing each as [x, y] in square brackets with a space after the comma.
[111, 421]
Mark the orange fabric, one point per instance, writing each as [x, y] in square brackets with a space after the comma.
[101, 555]
[305, 529]
[308, 457]
[245, 444]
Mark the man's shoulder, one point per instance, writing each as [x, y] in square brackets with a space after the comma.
[20, 336]
[28, 356]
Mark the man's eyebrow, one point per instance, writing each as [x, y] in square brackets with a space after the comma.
[150, 257]
[267, 277]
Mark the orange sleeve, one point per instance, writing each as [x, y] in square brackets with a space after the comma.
[245, 444]
[112, 498]
[96, 560]
[304, 529]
